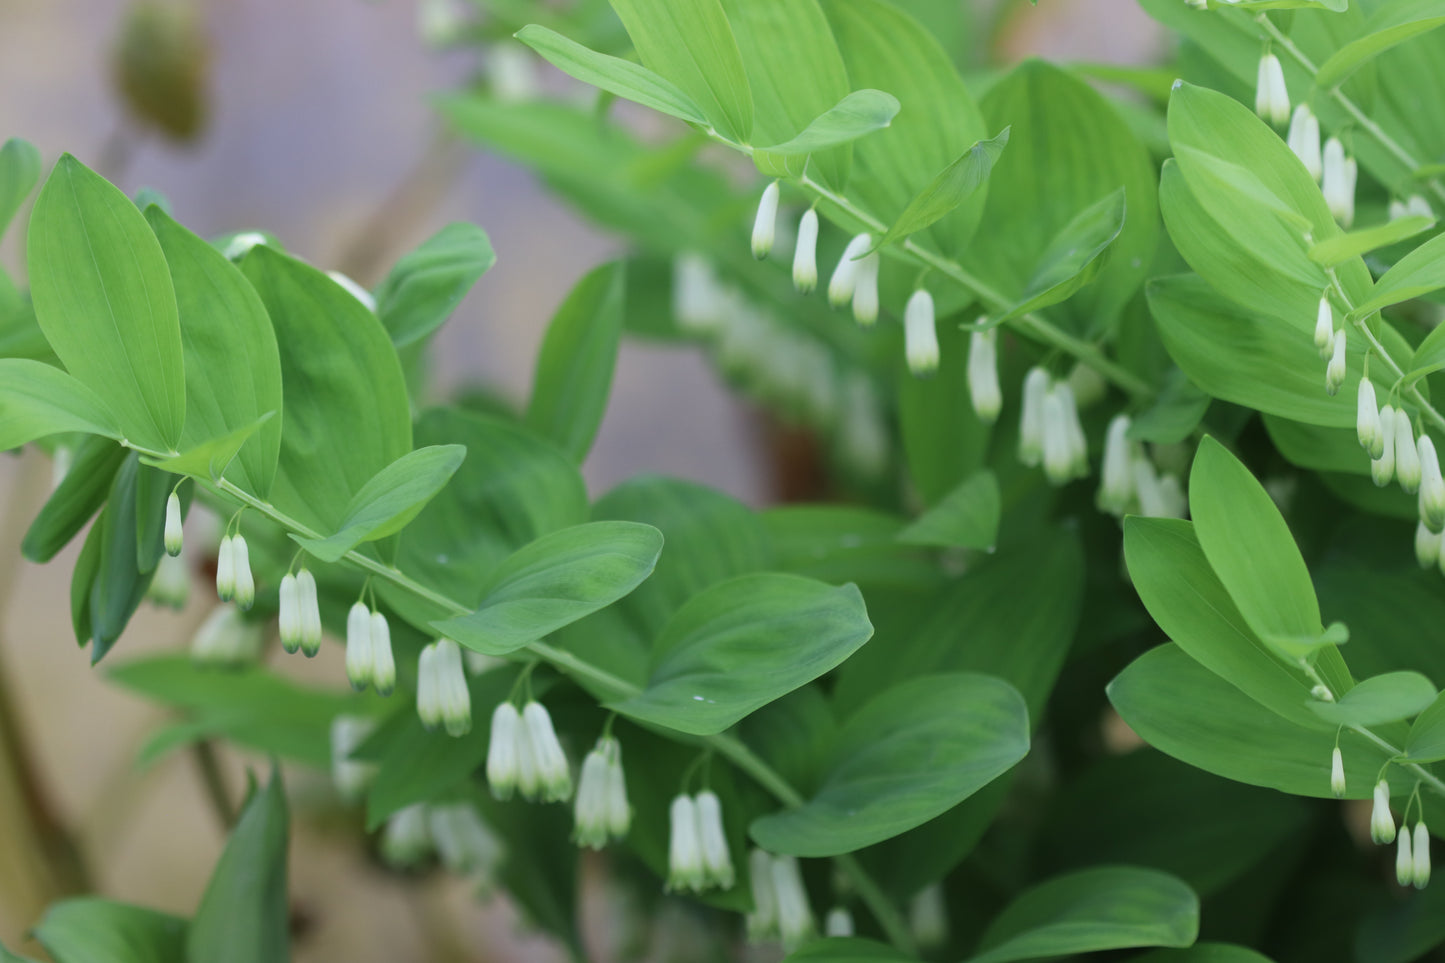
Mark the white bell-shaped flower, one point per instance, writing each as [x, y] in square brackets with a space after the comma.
[289, 599]
[699, 299]
[1427, 545]
[358, 646]
[920, 335]
[1116, 475]
[227, 638]
[983, 386]
[173, 525]
[1304, 139]
[383, 665]
[503, 746]
[845, 276]
[1335, 371]
[838, 922]
[601, 810]
[795, 915]
[406, 839]
[928, 916]
[464, 843]
[1382, 822]
[619, 810]
[1031, 418]
[1337, 773]
[865, 290]
[716, 859]
[171, 584]
[554, 778]
[685, 870]
[350, 776]
[1404, 858]
[309, 611]
[766, 221]
[805, 255]
[442, 696]
[1421, 856]
[1064, 455]
[1407, 455]
[762, 922]
[1367, 417]
[1271, 97]
[225, 571]
[1325, 328]
[241, 561]
[1432, 486]
[1382, 467]
[1337, 181]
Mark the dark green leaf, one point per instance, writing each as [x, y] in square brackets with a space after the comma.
[1174, 416]
[427, 284]
[90, 930]
[19, 170]
[119, 585]
[1072, 258]
[78, 497]
[966, 517]
[1427, 735]
[847, 950]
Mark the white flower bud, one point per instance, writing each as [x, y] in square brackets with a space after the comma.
[350, 776]
[1172, 501]
[1058, 446]
[1367, 416]
[554, 779]
[919, 334]
[795, 916]
[1404, 859]
[463, 842]
[226, 638]
[1031, 419]
[1304, 139]
[245, 584]
[1325, 328]
[290, 614]
[1407, 456]
[1271, 98]
[173, 525]
[838, 922]
[619, 811]
[805, 255]
[928, 917]
[684, 852]
[698, 299]
[1322, 692]
[358, 646]
[502, 748]
[1382, 467]
[983, 387]
[601, 810]
[765, 224]
[1074, 431]
[383, 666]
[865, 290]
[309, 613]
[171, 584]
[450, 692]
[1417, 206]
[762, 922]
[864, 436]
[1335, 370]
[1337, 773]
[1382, 823]
[1427, 545]
[716, 859]
[845, 275]
[1338, 181]
[1432, 486]
[225, 571]
[1116, 475]
[406, 840]
[355, 290]
[1421, 873]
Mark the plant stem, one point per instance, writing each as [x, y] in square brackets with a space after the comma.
[214, 781]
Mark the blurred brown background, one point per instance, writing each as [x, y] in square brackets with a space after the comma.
[318, 130]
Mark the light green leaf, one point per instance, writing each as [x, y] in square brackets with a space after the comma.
[1378, 700]
[1072, 258]
[1427, 735]
[1113, 907]
[209, 459]
[912, 753]
[955, 184]
[1250, 548]
[1416, 274]
[555, 581]
[92, 930]
[690, 43]
[1219, 174]
[426, 285]
[849, 949]
[574, 367]
[943, 439]
[966, 517]
[78, 497]
[386, 504]
[1430, 356]
[740, 644]
[103, 297]
[1357, 243]
[1174, 416]
[859, 113]
[19, 170]
[1393, 24]
[243, 916]
[38, 400]
[627, 80]
[232, 363]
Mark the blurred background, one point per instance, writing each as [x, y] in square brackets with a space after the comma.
[311, 120]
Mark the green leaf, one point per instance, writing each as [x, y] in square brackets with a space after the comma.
[1113, 907]
[1250, 548]
[75, 500]
[912, 753]
[847, 949]
[844, 543]
[104, 299]
[8, 957]
[38, 400]
[966, 517]
[119, 585]
[1416, 274]
[690, 43]
[232, 363]
[19, 170]
[426, 285]
[555, 581]
[153, 491]
[1427, 735]
[627, 80]
[740, 644]
[243, 915]
[386, 504]
[345, 411]
[1430, 356]
[210, 459]
[1174, 416]
[1205, 953]
[943, 438]
[1378, 700]
[1393, 24]
[1072, 258]
[1224, 175]
[92, 930]
[859, 113]
[1358, 243]
[955, 184]
[82, 581]
[574, 367]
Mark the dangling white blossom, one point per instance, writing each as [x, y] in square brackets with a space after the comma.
[1271, 97]
[1338, 181]
[171, 584]
[1325, 328]
[805, 255]
[309, 613]
[358, 646]
[845, 276]
[684, 852]
[1304, 139]
[355, 290]
[765, 223]
[442, 697]
[1074, 430]
[441, 23]
[1414, 206]
[227, 638]
[1432, 486]
[464, 843]
[406, 840]
[173, 525]
[1382, 467]
[350, 776]
[838, 922]
[983, 387]
[699, 299]
[1407, 456]
[865, 290]
[1367, 416]
[1421, 862]
[795, 915]
[602, 811]
[928, 917]
[1337, 773]
[920, 334]
[225, 571]
[1427, 545]
[1404, 859]
[1335, 370]
[716, 859]
[383, 666]
[288, 598]
[1382, 823]
[241, 561]
[554, 778]
[762, 922]
[1031, 419]
[1116, 474]
[863, 435]
[512, 73]
[503, 746]
[1065, 450]
[1172, 501]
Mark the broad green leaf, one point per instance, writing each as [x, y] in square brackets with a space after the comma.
[555, 581]
[955, 184]
[627, 80]
[1416, 274]
[1427, 735]
[1250, 548]
[574, 367]
[1205, 953]
[243, 916]
[844, 543]
[1378, 700]
[104, 299]
[1393, 24]
[1218, 174]
[153, 490]
[966, 517]
[209, 459]
[859, 113]
[1358, 243]
[847, 949]
[426, 285]
[1113, 907]
[75, 500]
[93, 930]
[345, 411]
[38, 400]
[19, 170]
[1402, 930]
[910, 754]
[232, 363]
[82, 581]
[1173, 417]
[390, 500]
[1072, 258]
[1430, 356]
[944, 441]
[742, 643]
[1391, 607]
[119, 584]
[20, 334]
[690, 43]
